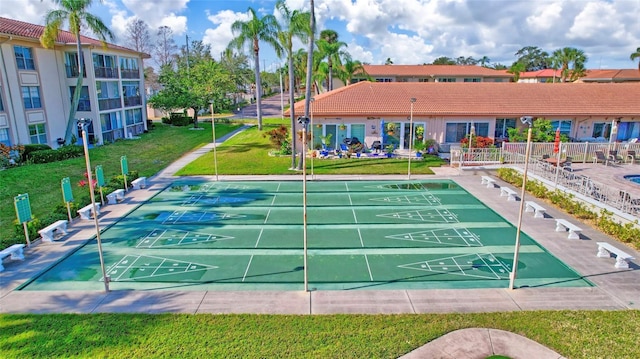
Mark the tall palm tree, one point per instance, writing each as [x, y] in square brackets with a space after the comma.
[351, 68]
[75, 12]
[636, 55]
[570, 61]
[331, 49]
[252, 32]
[295, 25]
[307, 90]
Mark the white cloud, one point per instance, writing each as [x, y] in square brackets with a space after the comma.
[158, 13]
[220, 36]
[25, 10]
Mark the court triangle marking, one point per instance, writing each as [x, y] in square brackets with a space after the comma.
[461, 237]
[134, 267]
[421, 199]
[485, 266]
[426, 215]
[175, 237]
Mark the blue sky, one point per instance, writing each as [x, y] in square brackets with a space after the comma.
[406, 31]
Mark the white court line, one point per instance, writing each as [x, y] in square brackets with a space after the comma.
[360, 235]
[491, 267]
[274, 199]
[183, 237]
[278, 188]
[368, 268]
[158, 267]
[259, 236]
[128, 267]
[267, 217]
[346, 186]
[247, 270]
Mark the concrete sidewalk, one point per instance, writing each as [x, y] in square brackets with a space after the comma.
[614, 289]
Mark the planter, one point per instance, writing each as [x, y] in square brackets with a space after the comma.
[389, 155]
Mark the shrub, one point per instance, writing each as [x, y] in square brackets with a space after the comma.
[28, 149]
[10, 155]
[177, 119]
[278, 136]
[62, 153]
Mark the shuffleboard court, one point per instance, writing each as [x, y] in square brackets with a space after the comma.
[248, 235]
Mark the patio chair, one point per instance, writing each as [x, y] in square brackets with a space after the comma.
[613, 156]
[600, 157]
[376, 146]
[631, 155]
[567, 164]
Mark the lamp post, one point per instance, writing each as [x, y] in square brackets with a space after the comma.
[412, 100]
[304, 121]
[612, 138]
[311, 126]
[526, 120]
[213, 132]
[83, 123]
[472, 132]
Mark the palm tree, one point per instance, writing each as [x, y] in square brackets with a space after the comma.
[351, 68]
[636, 55]
[516, 69]
[252, 32]
[296, 24]
[75, 12]
[331, 49]
[570, 61]
[307, 90]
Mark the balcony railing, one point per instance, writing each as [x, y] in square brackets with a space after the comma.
[109, 103]
[129, 74]
[132, 101]
[106, 72]
[84, 105]
[72, 71]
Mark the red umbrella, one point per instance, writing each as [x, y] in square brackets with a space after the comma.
[556, 142]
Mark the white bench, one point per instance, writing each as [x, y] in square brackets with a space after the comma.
[536, 208]
[15, 251]
[506, 191]
[140, 182]
[622, 258]
[562, 225]
[47, 233]
[488, 181]
[116, 196]
[85, 211]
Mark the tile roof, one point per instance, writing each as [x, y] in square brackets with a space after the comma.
[26, 30]
[479, 99]
[540, 73]
[613, 74]
[433, 70]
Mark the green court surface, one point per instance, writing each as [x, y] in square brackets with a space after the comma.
[360, 235]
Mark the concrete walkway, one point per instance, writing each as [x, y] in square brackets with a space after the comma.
[614, 289]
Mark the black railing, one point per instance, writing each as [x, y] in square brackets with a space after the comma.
[106, 72]
[129, 74]
[109, 103]
[72, 71]
[132, 101]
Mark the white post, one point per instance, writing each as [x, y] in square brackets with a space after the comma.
[281, 95]
[213, 131]
[311, 111]
[83, 123]
[410, 136]
[304, 121]
[512, 276]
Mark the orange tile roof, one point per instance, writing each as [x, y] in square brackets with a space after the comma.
[432, 70]
[613, 74]
[479, 99]
[26, 30]
[540, 73]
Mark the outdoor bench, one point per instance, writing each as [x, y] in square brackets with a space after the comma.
[506, 191]
[563, 225]
[15, 251]
[85, 211]
[622, 258]
[534, 207]
[47, 233]
[116, 196]
[488, 181]
[140, 182]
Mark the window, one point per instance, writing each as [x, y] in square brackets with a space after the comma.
[129, 68]
[24, 58]
[384, 80]
[31, 97]
[85, 103]
[456, 131]
[133, 116]
[38, 133]
[422, 79]
[4, 137]
[71, 65]
[111, 124]
[108, 95]
[445, 79]
[105, 66]
[502, 127]
[131, 92]
[565, 126]
[472, 79]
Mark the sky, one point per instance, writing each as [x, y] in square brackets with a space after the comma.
[405, 31]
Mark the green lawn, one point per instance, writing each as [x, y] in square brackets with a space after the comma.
[573, 334]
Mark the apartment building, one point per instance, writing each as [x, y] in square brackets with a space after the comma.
[37, 85]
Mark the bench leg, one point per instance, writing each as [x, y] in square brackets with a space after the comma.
[47, 237]
[574, 235]
[560, 228]
[621, 263]
[539, 214]
[511, 198]
[18, 255]
[603, 253]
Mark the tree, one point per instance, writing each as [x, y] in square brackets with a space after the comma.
[331, 49]
[516, 69]
[533, 58]
[295, 25]
[165, 46]
[388, 61]
[443, 60]
[466, 60]
[485, 61]
[312, 34]
[138, 37]
[252, 32]
[352, 68]
[570, 61]
[636, 55]
[237, 65]
[75, 12]
[195, 86]
[541, 131]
